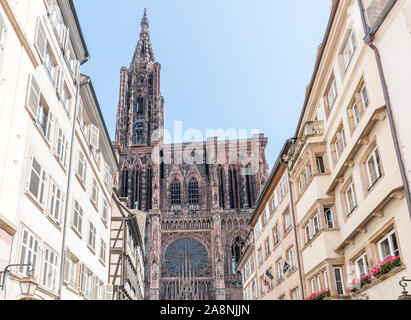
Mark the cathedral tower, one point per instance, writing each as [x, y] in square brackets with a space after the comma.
[198, 212]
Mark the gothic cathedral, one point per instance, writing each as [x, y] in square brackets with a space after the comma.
[198, 211]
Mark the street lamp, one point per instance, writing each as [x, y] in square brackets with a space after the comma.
[28, 286]
[405, 295]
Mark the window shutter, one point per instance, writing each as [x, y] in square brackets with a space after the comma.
[66, 265]
[41, 39]
[49, 125]
[34, 96]
[82, 276]
[94, 136]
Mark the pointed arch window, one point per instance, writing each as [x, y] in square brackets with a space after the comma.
[236, 248]
[149, 189]
[124, 184]
[175, 193]
[193, 193]
[221, 187]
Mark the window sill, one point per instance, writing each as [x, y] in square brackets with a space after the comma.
[102, 262]
[77, 232]
[93, 251]
[35, 202]
[69, 288]
[54, 222]
[94, 205]
[61, 165]
[81, 182]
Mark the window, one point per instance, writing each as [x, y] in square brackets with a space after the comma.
[37, 181]
[267, 213]
[329, 218]
[258, 228]
[98, 289]
[283, 187]
[94, 191]
[332, 94]
[29, 251]
[260, 256]
[316, 222]
[291, 259]
[361, 265]
[294, 294]
[78, 217]
[61, 147]
[193, 195]
[349, 50]
[310, 171]
[280, 270]
[175, 193]
[313, 290]
[388, 247]
[307, 233]
[105, 210]
[103, 248]
[350, 197]
[339, 281]
[85, 281]
[267, 247]
[139, 131]
[339, 143]
[49, 63]
[92, 236]
[364, 96]
[2, 34]
[300, 186]
[65, 98]
[356, 114]
[50, 269]
[287, 219]
[56, 203]
[44, 119]
[82, 167]
[374, 168]
[276, 236]
[275, 200]
[71, 271]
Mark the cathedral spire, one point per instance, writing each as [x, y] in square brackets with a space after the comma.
[144, 52]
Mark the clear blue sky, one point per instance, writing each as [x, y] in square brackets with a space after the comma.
[240, 64]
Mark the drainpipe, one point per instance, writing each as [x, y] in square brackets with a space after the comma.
[68, 191]
[369, 37]
[297, 247]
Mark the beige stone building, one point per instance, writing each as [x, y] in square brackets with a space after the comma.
[350, 200]
[57, 164]
[270, 264]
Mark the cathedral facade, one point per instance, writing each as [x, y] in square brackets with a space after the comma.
[198, 197]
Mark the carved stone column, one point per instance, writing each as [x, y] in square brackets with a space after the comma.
[155, 257]
[218, 259]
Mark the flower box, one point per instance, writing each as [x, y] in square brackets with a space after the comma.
[320, 295]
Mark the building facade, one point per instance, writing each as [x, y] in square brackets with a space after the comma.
[199, 197]
[270, 263]
[55, 216]
[127, 253]
[350, 196]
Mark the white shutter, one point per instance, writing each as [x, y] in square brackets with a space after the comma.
[60, 82]
[33, 100]
[94, 136]
[108, 292]
[49, 125]
[66, 265]
[41, 39]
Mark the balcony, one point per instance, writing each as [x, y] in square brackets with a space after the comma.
[312, 129]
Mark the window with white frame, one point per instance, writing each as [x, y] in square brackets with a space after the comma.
[350, 198]
[310, 171]
[71, 268]
[307, 230]
[327, 285]
[291, 259]
[329, 220]
[283, 187]
[313, 290]
[364, 96]
[267, 247]
[50, 269]
[356, 114]
[374, 168]
[332, 94]
[275, 200]
[339, 280]
[105, 210]
[103, 248]
[98, 289]
[40, 39]
[78, 217]
[92, 236]
[37, 181]
[294, 294]
[61, 147]
[258, 228]
[361, 266]
[287, 220]
[349, 50]
[320, 163]
[276, 236]
[388, 246]
[56, 203]
[280, 270]
[29, 251]
[82, 167]
[95, 191]
[260, 256]
[85, 281]
[65, 98]
[50, 63]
